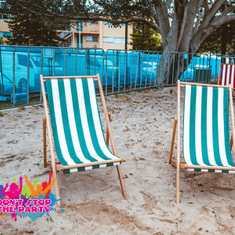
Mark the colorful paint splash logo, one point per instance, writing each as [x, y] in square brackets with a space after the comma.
[26, 200]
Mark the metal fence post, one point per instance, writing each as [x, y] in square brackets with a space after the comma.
[41, 73]
[65, 62]
[28, 76]
[14, 67]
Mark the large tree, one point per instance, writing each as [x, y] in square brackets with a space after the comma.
[28, 29]
[183, 24]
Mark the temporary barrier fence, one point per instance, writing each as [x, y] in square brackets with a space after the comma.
[120, 70]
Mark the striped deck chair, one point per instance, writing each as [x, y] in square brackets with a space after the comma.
[206, 145]
[226, 75]
[76, 126]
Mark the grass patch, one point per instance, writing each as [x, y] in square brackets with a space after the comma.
[9, 105]
[1, 114]
[22, 108]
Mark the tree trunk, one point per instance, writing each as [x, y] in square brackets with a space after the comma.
[166, 67]
[172, 66]
[224, 41]
[234, 46]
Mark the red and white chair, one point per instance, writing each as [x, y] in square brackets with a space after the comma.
[226, 75]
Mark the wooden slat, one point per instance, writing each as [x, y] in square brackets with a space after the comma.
[173, 141]
[208, 167]
[44, 142]
[178, 145]
[182, 84]
[50, 165]
[183, 165]
[61, 168]
[107, 132]
[232, 117]
[174, 163]
[218, 78]
[70, 77]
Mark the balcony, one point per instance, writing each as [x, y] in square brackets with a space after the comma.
[90, 29]
[65, 44]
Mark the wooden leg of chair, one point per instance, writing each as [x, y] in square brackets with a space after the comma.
[44, 143]
[231, 142]
[57, 194]
[178, 184]
[178, 146]
[121, 182]
[172, 141]
[107, 132]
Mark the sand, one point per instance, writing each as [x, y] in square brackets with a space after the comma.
[142, 124]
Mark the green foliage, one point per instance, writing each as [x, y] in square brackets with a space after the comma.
[145, 38]
[159, 15]
[221, 41]
[29, 29]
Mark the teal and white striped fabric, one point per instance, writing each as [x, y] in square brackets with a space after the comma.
[76, 124]
[206, 140]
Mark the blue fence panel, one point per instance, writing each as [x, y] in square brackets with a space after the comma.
[191, 66]
[131, 69]
[21, 66]
[6, 69]
[119, 70]
[60, 62]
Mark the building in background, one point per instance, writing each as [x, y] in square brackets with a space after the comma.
[84, 35]
[4, 30]
[97, 34]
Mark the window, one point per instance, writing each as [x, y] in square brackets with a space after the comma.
[110, 24]
[5, 16]
[108, 39]
[107, 23]
[79, 25]
[113, 40]
[22, 60]
[92, 38]
[119, 40]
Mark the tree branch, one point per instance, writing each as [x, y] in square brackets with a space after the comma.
[164, 24]
[228, 10]
[168, 3]
[220, 20]
[192, 9]
[197, 23]
[211, 13]
[206, 6]
[93, 16]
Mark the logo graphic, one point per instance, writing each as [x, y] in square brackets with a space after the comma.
[28, 200]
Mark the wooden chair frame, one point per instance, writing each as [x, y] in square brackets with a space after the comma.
[56, 165]
[181, 164]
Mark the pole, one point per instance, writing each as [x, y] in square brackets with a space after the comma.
[73, 39]
[79, 35]
[126, 33]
